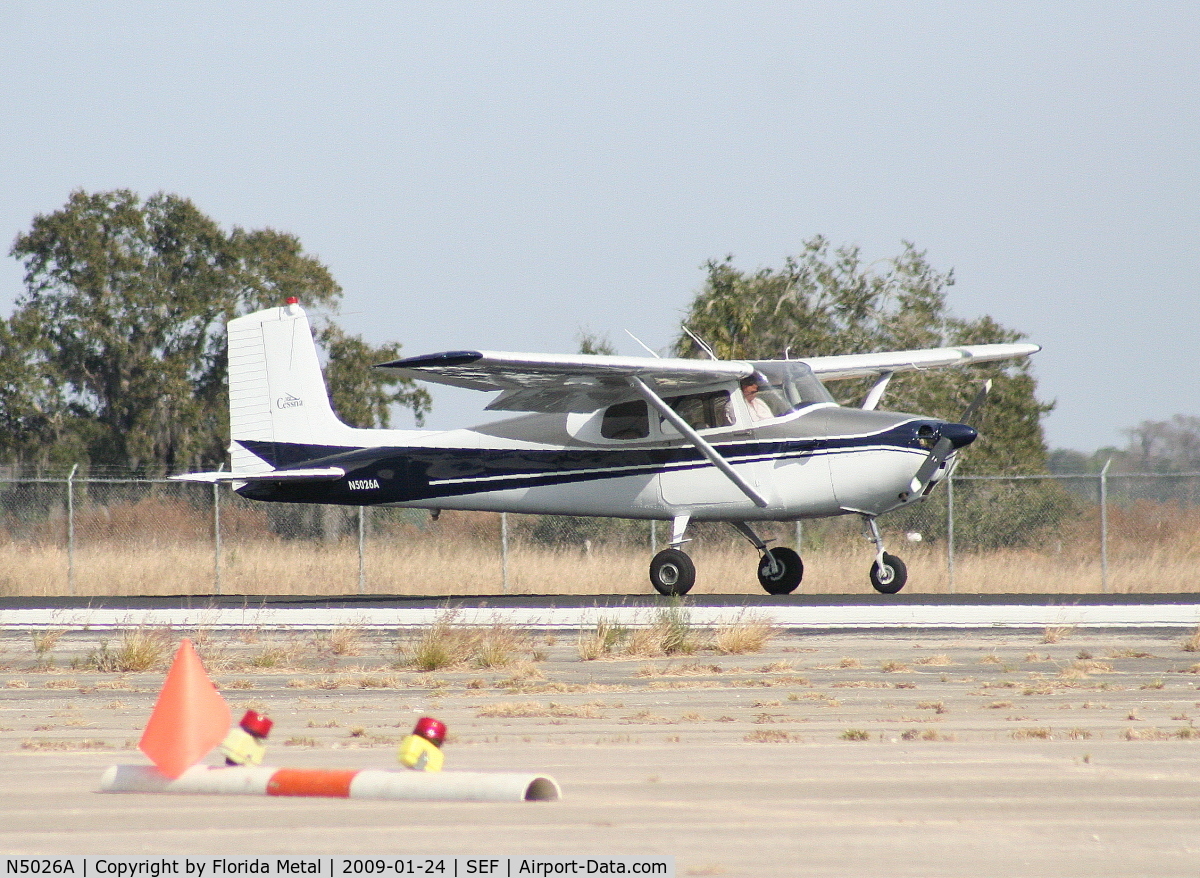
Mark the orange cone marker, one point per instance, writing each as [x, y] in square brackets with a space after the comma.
[189, 719]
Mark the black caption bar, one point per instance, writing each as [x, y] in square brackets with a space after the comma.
[336, 867]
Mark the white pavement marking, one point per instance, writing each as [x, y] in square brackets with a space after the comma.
[1172, 615]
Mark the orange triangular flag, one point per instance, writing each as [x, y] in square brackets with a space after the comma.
[189, 718]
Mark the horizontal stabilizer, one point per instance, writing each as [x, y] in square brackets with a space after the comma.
[317, 474]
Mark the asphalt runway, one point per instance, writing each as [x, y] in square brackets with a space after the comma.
[1035, 751]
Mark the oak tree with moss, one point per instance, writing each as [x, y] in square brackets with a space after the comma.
[828, 301]
[115, 353]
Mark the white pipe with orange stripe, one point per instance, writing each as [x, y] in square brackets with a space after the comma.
[461, 786]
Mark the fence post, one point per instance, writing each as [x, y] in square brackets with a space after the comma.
[504, 553]
[653, 537]
[1104, 526]
[950, 531]
[362, 568]
[216, 538]
[71, 530]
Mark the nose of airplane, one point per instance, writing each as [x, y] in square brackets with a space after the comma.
[960, 435]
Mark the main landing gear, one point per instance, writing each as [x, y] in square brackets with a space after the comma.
[780, 569]
[673, 573]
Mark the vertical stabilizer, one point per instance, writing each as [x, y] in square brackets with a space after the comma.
[276, 389]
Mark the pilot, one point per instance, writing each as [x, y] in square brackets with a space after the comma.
[759, 410]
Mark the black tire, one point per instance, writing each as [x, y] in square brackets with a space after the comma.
[788, 572]
[892, 578]
[672, 572]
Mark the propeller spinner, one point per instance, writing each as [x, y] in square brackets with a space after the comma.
[949, 438]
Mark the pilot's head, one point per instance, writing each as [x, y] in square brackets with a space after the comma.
[750, 385]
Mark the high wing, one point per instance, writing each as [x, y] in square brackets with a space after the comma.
[863, 365]
[565, 382]
[585, 382]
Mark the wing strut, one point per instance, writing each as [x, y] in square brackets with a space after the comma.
[696, 439]
[876, 392]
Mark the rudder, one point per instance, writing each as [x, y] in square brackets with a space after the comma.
[276, 389]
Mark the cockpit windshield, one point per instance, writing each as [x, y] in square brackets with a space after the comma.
[789, 386]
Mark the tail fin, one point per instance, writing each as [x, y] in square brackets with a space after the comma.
[276, 390]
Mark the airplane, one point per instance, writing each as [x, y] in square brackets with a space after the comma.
[667, 439]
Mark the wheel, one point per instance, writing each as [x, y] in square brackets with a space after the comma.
[784, 575]
[890, 578]
[672, 572]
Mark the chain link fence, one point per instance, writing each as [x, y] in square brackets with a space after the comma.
[1118, 533]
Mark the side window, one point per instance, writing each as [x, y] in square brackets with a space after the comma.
[626, 420]
[703, 411]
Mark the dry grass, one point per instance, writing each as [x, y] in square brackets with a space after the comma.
[140, 649]
[447, 645]
[1057, 633]
[278, 656]
[1191, 643]
[743, 636]
[601, 642]
[671, 632]
[302, 741]
[58, 744]
[261, 565]
[344, 640]
[45, 641]
[770, 736]
[1082, 668]
[525, 709]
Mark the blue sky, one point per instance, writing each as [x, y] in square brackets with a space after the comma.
[499, 175]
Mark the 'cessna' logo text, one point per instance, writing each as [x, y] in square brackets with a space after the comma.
[287, 401]
[363, 484]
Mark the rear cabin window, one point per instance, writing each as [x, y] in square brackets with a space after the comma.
[703, 411]
[626, 420]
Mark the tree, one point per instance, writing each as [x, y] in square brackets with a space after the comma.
[593, 343]
[358, 392]
[825, 302]
[118, 343]
[1171, 446]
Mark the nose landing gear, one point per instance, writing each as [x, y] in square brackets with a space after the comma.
[888, 573]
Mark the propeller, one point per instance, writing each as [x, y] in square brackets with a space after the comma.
[949, 438]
